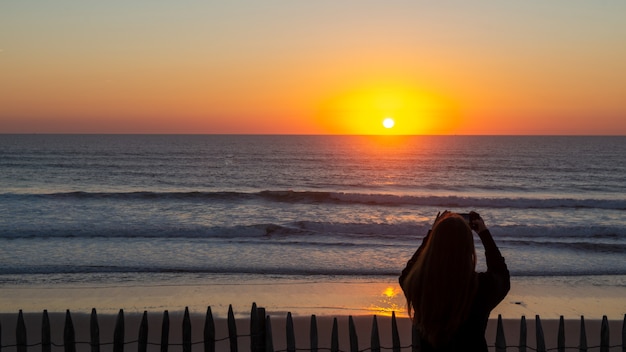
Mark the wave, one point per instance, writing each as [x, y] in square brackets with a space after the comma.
[582, 247]
[317, 235]
[258, 270]
[303, 233]
[49, 272]
[325, 197]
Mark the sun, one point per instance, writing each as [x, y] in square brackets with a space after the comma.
[388, 122]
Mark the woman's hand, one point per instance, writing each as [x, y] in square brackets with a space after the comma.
[439, 215]
[477, 223]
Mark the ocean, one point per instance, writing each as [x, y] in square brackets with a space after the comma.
[163, 210]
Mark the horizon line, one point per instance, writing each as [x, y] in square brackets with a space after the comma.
[300, 134]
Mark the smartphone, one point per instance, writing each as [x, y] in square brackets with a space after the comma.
[468, 219]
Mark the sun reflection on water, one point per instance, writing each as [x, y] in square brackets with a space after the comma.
[390, 300]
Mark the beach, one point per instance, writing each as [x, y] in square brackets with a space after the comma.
[528, 296]
[359, 299]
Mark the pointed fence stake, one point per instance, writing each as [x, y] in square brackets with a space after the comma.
[523, 334]
[582, 344]
[20, 333]
[541, 341]
[354, 341]
[269, 341]
[165, 331]
[375, 338]
[118, 333]
[561, 335]
[232, 329]
[624, 334]
[334, 339]
[604, 335]
[186, 331]
[94, 331]
[262, 334]
[500, 339]
[313, 337]
[46, 342]
[69, 337]
[291, 336]
[395, 335]
[209, 331]
[254, 329]
[142, 341]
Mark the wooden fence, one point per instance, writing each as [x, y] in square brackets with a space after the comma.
[260, 337]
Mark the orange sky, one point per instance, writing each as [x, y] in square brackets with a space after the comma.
[293, 67]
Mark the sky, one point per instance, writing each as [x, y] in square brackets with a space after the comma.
[313, 67]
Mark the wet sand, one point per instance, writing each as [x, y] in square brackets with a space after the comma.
[549, 298]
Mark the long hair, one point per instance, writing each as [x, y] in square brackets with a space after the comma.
[441, 285]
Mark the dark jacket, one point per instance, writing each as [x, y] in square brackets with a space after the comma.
[493, 285]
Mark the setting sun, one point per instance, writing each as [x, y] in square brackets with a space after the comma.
[388, 122]
[397, 108]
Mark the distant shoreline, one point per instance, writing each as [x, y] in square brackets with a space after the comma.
[548, 297]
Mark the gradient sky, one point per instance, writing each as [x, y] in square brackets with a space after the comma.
[313, 67]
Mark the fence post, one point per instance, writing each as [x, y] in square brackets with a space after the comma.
[269, 341]
[260, 312]
[291, 336]
[500, 339]
[354, 340]
[334, 339]
[254, 329]
[395, 335]
[582, 345]
[186, 331]
[142, 342]
[232, 329]
[20, 333]
[375, 338]
[118, 333]
[94, 331]
[624, 334]
[313, 334]
[69, 337]
[541, 342]
[523, 334]
[416, 341]
[209, 331]
[46, 343]
[561, 335]
[165, 331]
[604, 335]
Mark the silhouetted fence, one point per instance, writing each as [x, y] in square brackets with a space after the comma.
[260, 336]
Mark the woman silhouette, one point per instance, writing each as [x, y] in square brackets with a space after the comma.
[447, 299]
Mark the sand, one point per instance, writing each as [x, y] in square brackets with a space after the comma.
[362, 299]
[548, 297]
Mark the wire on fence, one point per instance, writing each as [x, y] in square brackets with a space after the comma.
[261, 335]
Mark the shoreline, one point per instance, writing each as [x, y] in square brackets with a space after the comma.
[549, 298]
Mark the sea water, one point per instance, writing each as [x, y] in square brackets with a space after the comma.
[168, 209]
